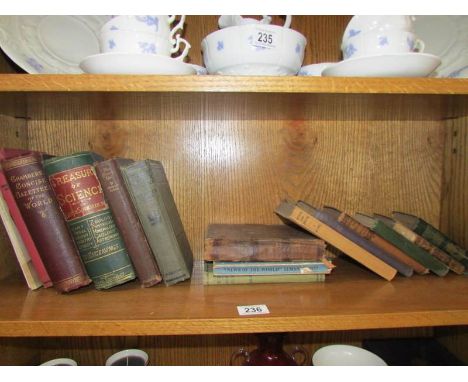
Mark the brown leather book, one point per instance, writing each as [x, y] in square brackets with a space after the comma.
[127, 221]
[45, 223]
[261, 242]
[380, 242]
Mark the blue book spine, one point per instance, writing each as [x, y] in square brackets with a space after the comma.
[290, 269]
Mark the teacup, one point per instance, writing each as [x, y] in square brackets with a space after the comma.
[359, 25]
[60, 362]
[128, 41]
[128, 357]
[160, 24]
[384, 42]
[346, 355]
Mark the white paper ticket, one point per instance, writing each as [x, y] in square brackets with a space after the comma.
[249, 310]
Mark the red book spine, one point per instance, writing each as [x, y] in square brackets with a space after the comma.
[43, 218]
[19, 221]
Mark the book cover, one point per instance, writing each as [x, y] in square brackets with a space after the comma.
[433, 235]
[6, 153]
[422, 243]
[153, 200]
[24, 261]
[379, 241]
[210, 279]
[81, 199]
[261, 242]
[329, 218]
[127, 221]
[403, 244]
[36, 202]
[223, 268]
[302, 216]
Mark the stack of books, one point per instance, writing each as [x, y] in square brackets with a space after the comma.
[403, 243]
[79, 219]
[258, 253]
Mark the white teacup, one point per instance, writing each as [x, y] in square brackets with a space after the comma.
[159, 24]
[128, 357]
[362, 24]
[384, 42]
[60, 362]
[128, 41]
[345, 355]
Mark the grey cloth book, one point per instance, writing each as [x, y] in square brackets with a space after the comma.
[153, 200]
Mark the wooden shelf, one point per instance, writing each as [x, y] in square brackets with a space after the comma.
[238, 84]
[350, 298]
[111, 97]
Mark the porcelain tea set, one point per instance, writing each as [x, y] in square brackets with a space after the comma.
[383, 46]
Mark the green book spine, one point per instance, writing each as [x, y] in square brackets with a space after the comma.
[155, 206]
[437, 238]
[210, 279]
[412, 250]
[79, 193]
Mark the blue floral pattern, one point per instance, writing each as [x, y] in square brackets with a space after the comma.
[147, 47]
[148, 20]
[36, 65]
[410, 43]
[349, 50]
[114, 28]
[298, 48]
[353, 32]
[112, 44]
[383, 40]
[220, 45]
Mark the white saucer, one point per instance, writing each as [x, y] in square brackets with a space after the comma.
[385, 65]
[130, 63]
[50, 44]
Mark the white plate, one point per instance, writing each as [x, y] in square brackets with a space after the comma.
[446, 37]
[345, 355]
[129, 63]
[385, 65]
[50, 44]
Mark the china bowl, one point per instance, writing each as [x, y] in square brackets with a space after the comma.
[254, 49]
[346, 355]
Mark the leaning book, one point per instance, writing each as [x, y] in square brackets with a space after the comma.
[81, 199]
[152, 197]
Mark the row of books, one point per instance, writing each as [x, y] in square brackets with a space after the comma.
[79, 219]
[260, 253]
[403, 243]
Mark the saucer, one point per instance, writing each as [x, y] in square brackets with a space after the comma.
[50, 44]
[385, 65]
[130, 63]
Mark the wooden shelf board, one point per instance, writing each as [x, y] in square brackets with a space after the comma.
[351, 298]
[257, 84]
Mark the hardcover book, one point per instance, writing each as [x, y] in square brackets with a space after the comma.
[6, 153]
[153, 200]
[379, 241]
[21, 253]
[418, 254]
[305, 217]
[224, 268]
[436, 252]
[210, 279]
[81, 199]
[433, 235]
[261, 242]
[35, 199]
[127, 221]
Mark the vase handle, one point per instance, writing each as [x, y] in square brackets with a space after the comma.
[241, 352]
[300, 350]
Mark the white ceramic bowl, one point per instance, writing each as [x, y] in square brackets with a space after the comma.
[381, 42]
[363, 23]
[346, 355]
[254, 50]
[60, 362]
